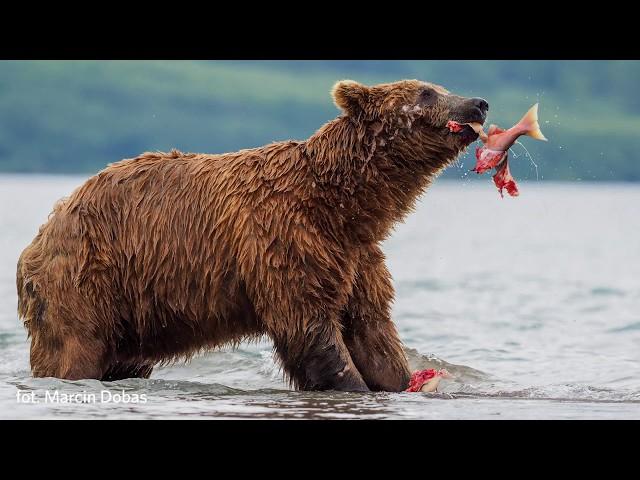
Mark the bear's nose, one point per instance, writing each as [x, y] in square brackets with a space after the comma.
[481, 103]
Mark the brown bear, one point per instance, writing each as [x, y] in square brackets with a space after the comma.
[161, 256]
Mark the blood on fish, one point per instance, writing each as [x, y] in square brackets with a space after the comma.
[494, 152]
[503, 179]
[420, 377]
[486, 159]
[454, 127]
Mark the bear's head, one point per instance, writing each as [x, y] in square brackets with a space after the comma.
[417, 111]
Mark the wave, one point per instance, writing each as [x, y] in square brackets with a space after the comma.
[263, 379]
[462, 373]
[626, 328]
[558, 393]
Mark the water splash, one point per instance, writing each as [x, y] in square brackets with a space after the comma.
[527, 154]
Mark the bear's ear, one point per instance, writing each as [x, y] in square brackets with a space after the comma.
[350, 96]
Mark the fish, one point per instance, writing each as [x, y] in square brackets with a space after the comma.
[494, 152]
[427, 380]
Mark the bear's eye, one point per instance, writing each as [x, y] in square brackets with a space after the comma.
[427, 96]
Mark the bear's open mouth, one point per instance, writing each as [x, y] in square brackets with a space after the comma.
[468, 132]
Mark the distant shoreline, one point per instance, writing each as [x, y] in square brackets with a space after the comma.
[448, 179]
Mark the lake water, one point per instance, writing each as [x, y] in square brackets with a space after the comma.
[533, 304]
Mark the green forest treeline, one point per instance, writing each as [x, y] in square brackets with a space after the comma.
[78, 116]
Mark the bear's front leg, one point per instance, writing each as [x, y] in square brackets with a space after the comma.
[317, 358]
[300, 308]
[369, 332]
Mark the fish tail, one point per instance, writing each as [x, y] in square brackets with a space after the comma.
[530, 124]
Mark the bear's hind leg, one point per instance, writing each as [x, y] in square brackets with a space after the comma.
[67, 357]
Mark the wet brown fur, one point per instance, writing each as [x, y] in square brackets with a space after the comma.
[159, 257]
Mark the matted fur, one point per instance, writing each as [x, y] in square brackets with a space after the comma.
[158, 257]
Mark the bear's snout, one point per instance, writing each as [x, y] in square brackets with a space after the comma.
[481, 104]
[471, 110]
[477, 109]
